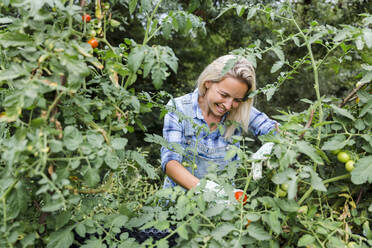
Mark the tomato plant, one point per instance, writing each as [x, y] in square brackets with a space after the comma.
[76, 172]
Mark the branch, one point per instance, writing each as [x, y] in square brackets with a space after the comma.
[308, 124]
[352, 93]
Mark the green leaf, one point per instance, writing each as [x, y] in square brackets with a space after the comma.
[80, 229]
[55, 145]
[136, 156]
[112, 160]
[95, 139]
[240, 10]
[92, 177]
[306, 148]
[72, 138]
[363, 171]
[135, 58]
[158, 75]
[256, 231]
[316, 181]
[306, 240]
[252, 12]
[343, 112]
[93, 242]
[119, 143]
[214, 210]
[286, 205]
[61, 238]
[170, 59]
[272, 219]
[182, 231]
[53, 206]
[120, 220]
[13, 39]
[62, 219]
[367, 35]
[230, 153]
[222, 230]
[132, 6]
[14, 71]
[336, 142]
[367, 108]
[279, 52]
[277, 65]
[229, 64]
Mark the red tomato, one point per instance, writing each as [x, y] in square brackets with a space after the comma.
[86, 18]
[239, 194]
[93, 42]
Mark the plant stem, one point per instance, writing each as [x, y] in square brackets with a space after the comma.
[330, 180]
[147, 38]
[316, 78]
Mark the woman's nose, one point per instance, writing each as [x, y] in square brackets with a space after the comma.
[228, 104]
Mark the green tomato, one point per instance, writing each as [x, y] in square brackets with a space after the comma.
[335, 152]
[303, 210]
[351, 245]
[284, 187]
[349, 165]
[280, 192]
[343, 157]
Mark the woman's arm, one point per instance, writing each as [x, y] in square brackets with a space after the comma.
[260, 123]
[170, 159]
[180, 175]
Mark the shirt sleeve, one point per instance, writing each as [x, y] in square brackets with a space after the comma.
[172, 133]
[260, 123]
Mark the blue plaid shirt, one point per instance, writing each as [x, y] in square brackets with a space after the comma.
[173, 130]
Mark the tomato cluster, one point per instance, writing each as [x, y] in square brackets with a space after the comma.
[345, 158]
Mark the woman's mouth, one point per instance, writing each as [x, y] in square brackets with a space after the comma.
[220, 108]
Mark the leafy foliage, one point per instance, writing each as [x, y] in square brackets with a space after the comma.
[71, 173]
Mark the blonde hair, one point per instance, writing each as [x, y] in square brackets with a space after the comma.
[241, 70]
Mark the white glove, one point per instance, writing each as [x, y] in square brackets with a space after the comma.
[260, 154]
[211, 186]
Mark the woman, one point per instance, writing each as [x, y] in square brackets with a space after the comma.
[217, 100]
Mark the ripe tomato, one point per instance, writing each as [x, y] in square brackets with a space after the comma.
[349, 165]
[86, 18]
[93, 42]
[343, 157]
[239, 194]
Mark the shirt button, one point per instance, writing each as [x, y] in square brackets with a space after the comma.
[227, 148]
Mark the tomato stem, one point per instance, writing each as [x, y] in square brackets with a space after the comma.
[330, 180]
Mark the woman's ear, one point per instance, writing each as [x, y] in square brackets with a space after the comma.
[207, 84]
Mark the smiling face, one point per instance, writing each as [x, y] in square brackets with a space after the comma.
[223, 96]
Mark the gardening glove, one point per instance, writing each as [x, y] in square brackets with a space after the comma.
[211, 186]
[260, 154]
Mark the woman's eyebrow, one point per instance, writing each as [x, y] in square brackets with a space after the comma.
[226, 93]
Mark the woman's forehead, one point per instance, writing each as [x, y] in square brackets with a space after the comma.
[233, 87]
